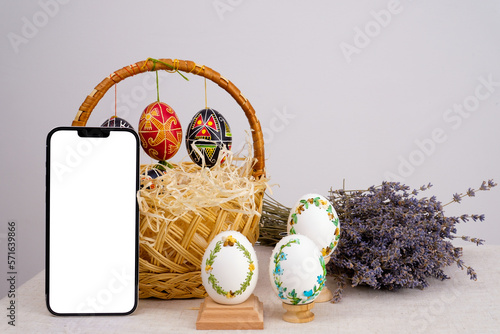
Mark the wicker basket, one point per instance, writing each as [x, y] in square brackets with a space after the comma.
[176, 274]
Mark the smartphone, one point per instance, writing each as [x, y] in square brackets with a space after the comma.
[92, 221]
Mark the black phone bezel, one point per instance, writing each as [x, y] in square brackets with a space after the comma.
[88, 132]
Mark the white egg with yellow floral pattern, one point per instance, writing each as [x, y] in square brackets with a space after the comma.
[229, 269]
[314, 216]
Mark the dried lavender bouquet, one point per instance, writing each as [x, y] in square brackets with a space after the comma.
[390, 238]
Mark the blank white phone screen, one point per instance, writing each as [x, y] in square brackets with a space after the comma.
[92, 218]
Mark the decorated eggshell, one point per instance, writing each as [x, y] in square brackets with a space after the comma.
[116, 122]
[151, 174]
[229, 269]
[297, 270]
[209, 132]
[314, 216]
[160, 131]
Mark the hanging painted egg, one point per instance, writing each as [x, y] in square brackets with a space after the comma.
[297, 270]
[116, 122]
[229, 269]
[314, 216]
[209, 133]
[160, 131]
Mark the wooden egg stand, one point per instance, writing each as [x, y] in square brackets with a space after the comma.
[298, 314]
[247, 315]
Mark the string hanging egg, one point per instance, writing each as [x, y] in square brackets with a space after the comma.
[207, 135]
[115, 121]
[160, 131]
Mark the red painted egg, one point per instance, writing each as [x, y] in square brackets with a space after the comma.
[160, 131]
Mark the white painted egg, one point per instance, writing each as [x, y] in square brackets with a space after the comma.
[314, 216]
[229, 269]
[297, 270]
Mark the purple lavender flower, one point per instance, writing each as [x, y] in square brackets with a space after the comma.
[457, 198]
[391, 239]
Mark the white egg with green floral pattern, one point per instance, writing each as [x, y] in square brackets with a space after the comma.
[229, 269]
[314, 216]
[297, 270]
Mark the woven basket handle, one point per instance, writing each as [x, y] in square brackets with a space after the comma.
[185, 66]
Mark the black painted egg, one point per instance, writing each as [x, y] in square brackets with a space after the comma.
[208, 131]
[116, 122]
[150, 175]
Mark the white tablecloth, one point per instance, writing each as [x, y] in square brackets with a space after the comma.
[458, 305]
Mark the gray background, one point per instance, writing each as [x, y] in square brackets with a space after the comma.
[363, 91]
